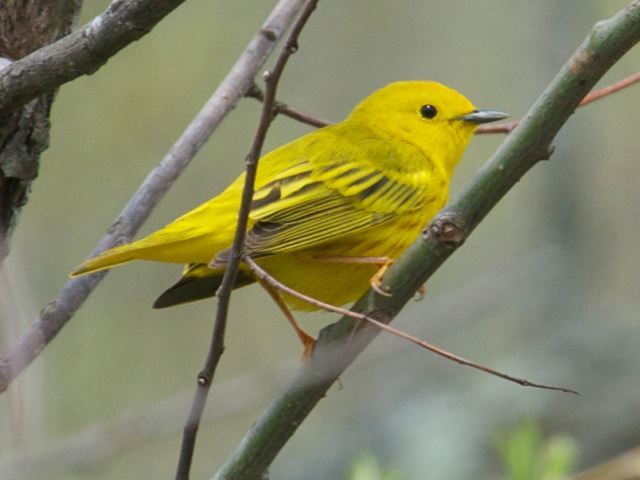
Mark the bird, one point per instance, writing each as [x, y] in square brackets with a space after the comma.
[331, 210]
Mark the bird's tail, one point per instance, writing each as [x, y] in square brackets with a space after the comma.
[198, 281]
[110, 258]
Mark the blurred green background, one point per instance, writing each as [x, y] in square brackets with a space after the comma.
[546, 288]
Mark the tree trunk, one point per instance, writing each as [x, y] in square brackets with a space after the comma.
[25, 26]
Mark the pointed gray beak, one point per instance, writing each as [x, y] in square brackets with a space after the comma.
[482, 116]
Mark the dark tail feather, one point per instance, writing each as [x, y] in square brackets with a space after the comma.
[197, 283]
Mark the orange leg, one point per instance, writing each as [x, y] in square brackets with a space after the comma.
[376, 280]
[307, 340]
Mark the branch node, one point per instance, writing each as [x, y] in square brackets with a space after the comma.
[578, 61]
[203, 379]
[446, 229]
[254, 92]
[270, 34]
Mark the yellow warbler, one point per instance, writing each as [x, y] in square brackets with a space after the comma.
[359, 189]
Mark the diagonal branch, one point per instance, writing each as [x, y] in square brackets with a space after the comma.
[59, 310]
[527, 145]
[216, 347]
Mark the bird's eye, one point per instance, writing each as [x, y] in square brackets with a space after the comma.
[428, 111]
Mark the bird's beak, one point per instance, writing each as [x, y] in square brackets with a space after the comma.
[482, 116]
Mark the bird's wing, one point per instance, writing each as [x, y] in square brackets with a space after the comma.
[314, 202]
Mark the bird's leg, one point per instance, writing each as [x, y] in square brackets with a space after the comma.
[376, 280]
[307, 340]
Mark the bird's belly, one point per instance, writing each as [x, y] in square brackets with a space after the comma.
[339, 281]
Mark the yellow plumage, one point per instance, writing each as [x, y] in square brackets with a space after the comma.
[361, 188]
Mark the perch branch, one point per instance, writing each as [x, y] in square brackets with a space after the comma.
[528, 144]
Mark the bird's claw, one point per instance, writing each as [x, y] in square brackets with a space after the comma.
[376, 280]
[377, 287]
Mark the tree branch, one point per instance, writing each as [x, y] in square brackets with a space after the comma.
[28, 84]
[82, 52]
[59, 310]
[528, 144]
[216, 347]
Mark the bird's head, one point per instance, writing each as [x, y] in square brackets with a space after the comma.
[435, 118]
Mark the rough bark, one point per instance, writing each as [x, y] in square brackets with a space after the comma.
[25, 26]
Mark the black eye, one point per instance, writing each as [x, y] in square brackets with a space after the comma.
[428, 111]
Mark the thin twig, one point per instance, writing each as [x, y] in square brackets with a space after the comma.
[61, 308]
[507, 127]
[613, 88]
[216, 347]
[286, 110]
[275, 283]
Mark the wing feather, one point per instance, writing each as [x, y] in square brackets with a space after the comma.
[321, 199]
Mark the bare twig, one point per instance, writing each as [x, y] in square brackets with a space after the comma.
[286, 110]
[264, 275]
[507, 127]
[216, 348]
[59, 310]
[608, 90]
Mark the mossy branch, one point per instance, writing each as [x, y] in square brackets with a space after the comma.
[529, 143]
